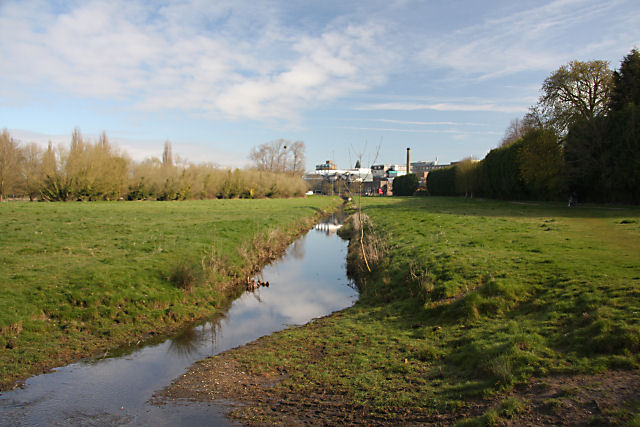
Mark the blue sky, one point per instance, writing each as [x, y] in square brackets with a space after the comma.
[217, 78]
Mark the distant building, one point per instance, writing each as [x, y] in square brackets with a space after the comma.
[377, 180]
[379, 171]
[327, 166]
[422, 166]
[395, 171]
[327, 179]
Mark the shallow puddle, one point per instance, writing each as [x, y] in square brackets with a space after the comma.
[308, 282]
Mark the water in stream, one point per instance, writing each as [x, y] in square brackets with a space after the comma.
[308, 282]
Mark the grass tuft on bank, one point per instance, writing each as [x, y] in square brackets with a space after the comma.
[82, 278]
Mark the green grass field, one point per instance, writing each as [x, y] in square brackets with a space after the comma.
[76, 278]
[472, 298]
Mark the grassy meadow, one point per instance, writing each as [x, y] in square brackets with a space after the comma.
[78, 278]
[469, 300]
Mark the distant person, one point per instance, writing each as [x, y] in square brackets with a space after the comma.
[573, 199]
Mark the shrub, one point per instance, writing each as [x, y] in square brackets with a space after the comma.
[442, 182]
[405, 185]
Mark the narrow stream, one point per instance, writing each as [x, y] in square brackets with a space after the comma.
[308, 282]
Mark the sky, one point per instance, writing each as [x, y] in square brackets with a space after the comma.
[351, 79]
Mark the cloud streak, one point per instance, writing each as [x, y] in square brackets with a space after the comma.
[436, 131]
[422, 123]
[403, 106]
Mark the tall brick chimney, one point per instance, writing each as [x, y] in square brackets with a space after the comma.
[408, 160]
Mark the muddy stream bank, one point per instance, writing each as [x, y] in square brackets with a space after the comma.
[310, 281]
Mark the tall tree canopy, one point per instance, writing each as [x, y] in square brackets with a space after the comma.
[626, 82]
[576, 91]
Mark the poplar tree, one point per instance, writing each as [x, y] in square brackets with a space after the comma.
[10, 163]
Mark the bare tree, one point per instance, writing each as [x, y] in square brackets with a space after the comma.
[296, 157]
[513, 132]
[279, 155]
[167, 154]
[32, 172]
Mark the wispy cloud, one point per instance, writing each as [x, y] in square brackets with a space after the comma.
[538, 38]
[434, 131]
[422, 123]
[400, 106]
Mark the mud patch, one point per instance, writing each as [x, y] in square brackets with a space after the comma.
[610, 398]
[259, 400]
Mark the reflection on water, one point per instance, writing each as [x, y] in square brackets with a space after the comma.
[186, 343]
[332, 224]
[310, 281]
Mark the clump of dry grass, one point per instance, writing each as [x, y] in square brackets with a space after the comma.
[184, 275]
[367, 246]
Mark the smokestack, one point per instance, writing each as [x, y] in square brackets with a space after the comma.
[408, 160]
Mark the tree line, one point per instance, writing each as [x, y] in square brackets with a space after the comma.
[98, 170]
[582, 139]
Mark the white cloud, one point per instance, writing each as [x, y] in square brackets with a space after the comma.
[224, 60]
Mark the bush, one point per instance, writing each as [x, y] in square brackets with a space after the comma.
[405, 185]
[500, 174]
[442, 182]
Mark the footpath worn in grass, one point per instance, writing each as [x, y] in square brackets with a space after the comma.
[76, 278]
[472, 299]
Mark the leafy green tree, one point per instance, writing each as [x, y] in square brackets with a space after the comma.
[623, 172]
[442, 182]
[576, 91]
[626, 82]
[405, 185]
[467, 177]
[500, 173]
[541, 162]
[357, 164]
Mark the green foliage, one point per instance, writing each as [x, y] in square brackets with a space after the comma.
[626, 82]
[624, 151]
[603, 157]
[442, 182]
[405, 185]
[468, 177]
[500, 176]
[541, 163]
[576, 91]
[582, 137]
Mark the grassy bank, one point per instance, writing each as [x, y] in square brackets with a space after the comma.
[472, 302]
[77, 278]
